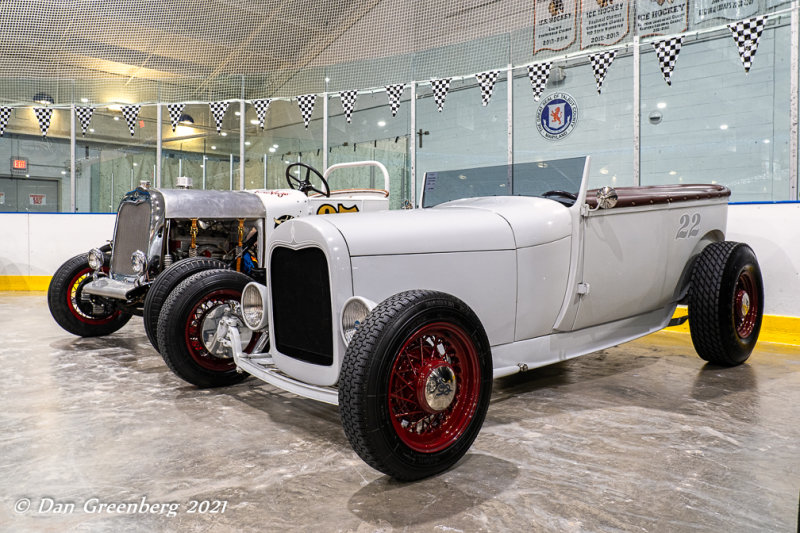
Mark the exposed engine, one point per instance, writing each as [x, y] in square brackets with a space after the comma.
[219, 239]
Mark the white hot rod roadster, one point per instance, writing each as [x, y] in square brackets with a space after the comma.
[403, 318]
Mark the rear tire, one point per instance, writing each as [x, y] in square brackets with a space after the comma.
[726, 303]
[73, 310]
[163, 285]
[196, 303]
[415, 384]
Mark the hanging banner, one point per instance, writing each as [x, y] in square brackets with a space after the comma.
[724, 9]
[661, 17]
[555, 24]
[5, 112]
[604, 22]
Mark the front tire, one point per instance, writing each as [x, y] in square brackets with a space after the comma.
[73, 310]
[726, 303]
[415, 384]
[189, 315]
[163, 285]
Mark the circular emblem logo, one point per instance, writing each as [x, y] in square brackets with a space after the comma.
[557, 116]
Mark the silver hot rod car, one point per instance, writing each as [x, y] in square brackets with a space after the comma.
[403, 318]
[163, 236]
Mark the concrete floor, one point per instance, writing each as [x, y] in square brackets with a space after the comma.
[642, 437]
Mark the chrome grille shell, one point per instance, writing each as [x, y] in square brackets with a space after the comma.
[139, 226]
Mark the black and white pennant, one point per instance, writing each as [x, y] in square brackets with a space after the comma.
[131, 113]
[600, 64]
[486, 80]
[43, 115]
[539, 73]
[394, 92]
[175, 112]
[348, 99]
[5, 113]
[218, 109]
[306, 104]
[667, 52]
[261, 110]
[746, 34]
[85, 116]
[440, 89]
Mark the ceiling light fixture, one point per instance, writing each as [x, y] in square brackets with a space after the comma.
[186, 119]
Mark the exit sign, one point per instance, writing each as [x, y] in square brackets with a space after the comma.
[19, 165]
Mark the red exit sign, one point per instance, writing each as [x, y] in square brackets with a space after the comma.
[19, 165]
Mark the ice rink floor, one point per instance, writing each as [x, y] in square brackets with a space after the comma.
[98, 435]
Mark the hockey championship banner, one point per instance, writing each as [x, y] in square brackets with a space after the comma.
[724, 9]
[604, 22]
[662, 17]
[555, 24]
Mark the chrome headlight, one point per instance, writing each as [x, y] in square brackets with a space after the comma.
[95, 259]
[254, 297]
[354, 312]
[139, 262]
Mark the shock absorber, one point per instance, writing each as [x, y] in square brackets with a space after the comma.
[193, 234]
[239, 245]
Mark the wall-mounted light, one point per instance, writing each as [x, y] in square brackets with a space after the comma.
[43, 98]
[186, 119]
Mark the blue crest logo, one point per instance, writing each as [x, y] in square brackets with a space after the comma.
[557, 116]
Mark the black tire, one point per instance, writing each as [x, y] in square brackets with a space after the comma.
[382, 351]
[73, 312]
[726, 303]
[182, 316]
[163, 285]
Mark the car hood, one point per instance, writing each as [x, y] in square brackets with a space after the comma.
[464, 225]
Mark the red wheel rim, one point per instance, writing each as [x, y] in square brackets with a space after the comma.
[745, 304]
[194, 324]
[438, 348]
[78, 307]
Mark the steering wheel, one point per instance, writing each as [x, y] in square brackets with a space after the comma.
[305, 186]
[563, 194]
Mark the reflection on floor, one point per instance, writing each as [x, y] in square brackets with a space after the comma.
[642, 437]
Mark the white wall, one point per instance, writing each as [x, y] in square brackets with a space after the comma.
[771, 230]
[37, 244]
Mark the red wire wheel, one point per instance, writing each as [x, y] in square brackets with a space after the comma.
[434, 387]
[746, 304]
[83, 310]
[205, 306]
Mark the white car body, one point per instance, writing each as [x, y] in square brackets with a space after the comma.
[547, 281]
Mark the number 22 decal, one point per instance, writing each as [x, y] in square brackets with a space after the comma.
[685, 232]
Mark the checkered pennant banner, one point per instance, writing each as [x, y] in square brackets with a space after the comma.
[43, 115]
[746, 34]
[218, 109]
[261, 110]
[667, 52]
[395, 92]
[348, 99]
[440, 88]
[131, 113]
[306, 104]
[487, 79]
[85, 116]
[539, 73]
[5, 113]
[175, 112]
[600, 64]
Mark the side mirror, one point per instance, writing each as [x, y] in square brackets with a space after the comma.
[606, 198]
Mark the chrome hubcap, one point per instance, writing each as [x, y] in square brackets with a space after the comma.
[439, 388]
